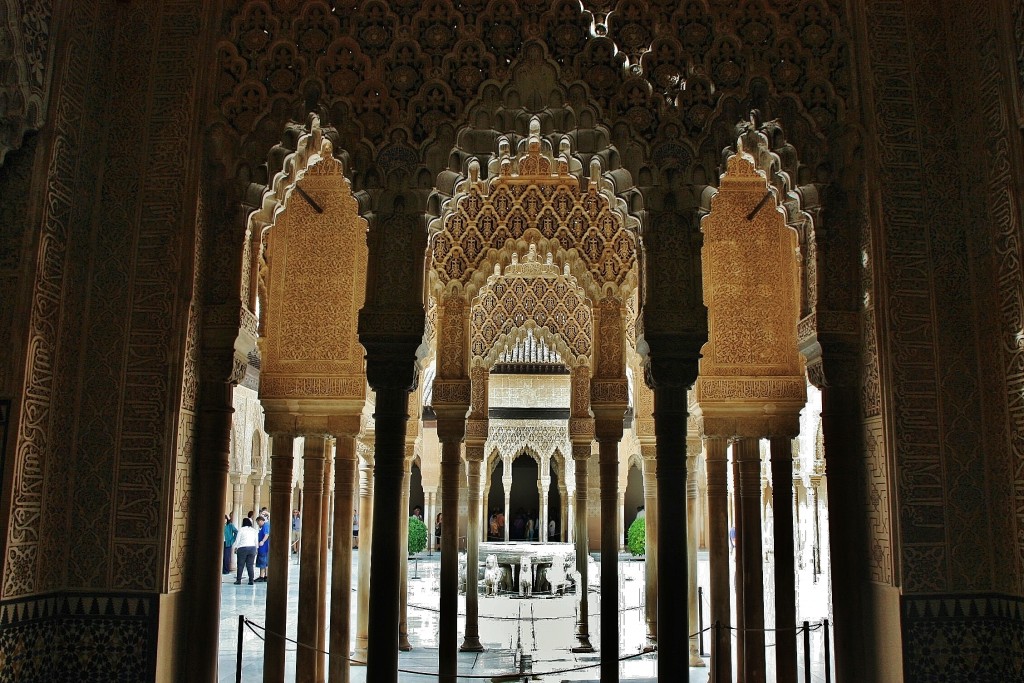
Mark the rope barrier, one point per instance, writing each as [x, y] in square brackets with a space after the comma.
[252, 625]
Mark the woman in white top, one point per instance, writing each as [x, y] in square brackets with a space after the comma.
[246, 550]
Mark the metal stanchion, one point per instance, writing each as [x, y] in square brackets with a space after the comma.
[807, 652]
[238, 657]
[700, 619]
[828, 648]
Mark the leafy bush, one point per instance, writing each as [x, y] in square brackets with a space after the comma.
[637, 536]
[417, 535]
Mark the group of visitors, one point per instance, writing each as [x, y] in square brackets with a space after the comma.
[251, 545]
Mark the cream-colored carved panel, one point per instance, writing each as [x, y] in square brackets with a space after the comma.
[315, 279]
[750, 258]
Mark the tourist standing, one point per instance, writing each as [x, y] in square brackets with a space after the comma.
[262, 547]
[246, 550]
[296, 531]
[230, 534]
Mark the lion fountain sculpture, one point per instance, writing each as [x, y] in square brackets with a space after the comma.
[557, 577]
[492, 575]
[525, 577]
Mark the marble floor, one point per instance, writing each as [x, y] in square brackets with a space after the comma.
[540, 628]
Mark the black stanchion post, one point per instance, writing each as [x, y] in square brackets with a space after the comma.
[238, 656]
[807, 652]
[700, 619]
[828, 656]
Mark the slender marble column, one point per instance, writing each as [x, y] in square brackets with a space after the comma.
[257, 491]
[450, 431]
[569, 521]
[620, 519]
[692, 452]
[309, 571]
[737, 523]
[542, 521]
[325, 521]
[785, 572]
[581, 456]
[506, 485]
[390, 418]
[748, 455]
[237, 491]
[365, 540]
[565, 507]
[471, 641]
[277, 574]
[718, 546]
[650, 541]
[670, 415]
[608, 424]
[403, 583]
[428, 518]
[341, 575]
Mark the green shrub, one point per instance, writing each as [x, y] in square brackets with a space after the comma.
[417, 535]
[637, 536]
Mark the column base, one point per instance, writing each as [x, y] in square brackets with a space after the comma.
[403, 643]
[583, 644]
[471, 644]
[358, 657]
[695, 658]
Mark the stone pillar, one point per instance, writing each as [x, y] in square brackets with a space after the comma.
[692, 453]
[257, 489]
[451, 429]
[620, 519]
[647, 452]
[785, 572]
[748, 455]
[365, 541]
[670, 416]
[816, 511]
[237, 492]
[569, 520]
[325, 521]
[209, 483]
[581, 456]
[718, 547]
[506, 486]
[428, 518]
[542, 521]
[737, 523]
[608, 429]
[309, 572]
[403, 582]
[341, 576]
[474, 460]
[563, 509]
[390, 417]
[277, 571]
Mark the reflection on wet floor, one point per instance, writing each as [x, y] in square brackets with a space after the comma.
[513, 630]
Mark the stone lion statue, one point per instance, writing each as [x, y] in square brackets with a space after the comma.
[525, 577]
[492, 575]
[557, 577]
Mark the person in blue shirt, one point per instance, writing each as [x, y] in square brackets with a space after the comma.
[230, 534]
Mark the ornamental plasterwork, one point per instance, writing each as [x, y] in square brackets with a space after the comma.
[315, 282]
[533, 196]
[532, 292]
[511, 437]
[751, 277]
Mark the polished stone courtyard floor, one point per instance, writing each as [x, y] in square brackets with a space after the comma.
[541, 628]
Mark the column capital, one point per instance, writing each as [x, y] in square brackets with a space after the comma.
[451, 424]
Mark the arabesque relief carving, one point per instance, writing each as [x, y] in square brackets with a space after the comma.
[315, 278]
[750, 365]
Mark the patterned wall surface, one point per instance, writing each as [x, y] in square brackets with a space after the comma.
[957, 638]
[81, 637]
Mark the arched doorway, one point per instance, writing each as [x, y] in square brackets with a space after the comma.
[524, 500]
[496, 503]
[633, 499]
